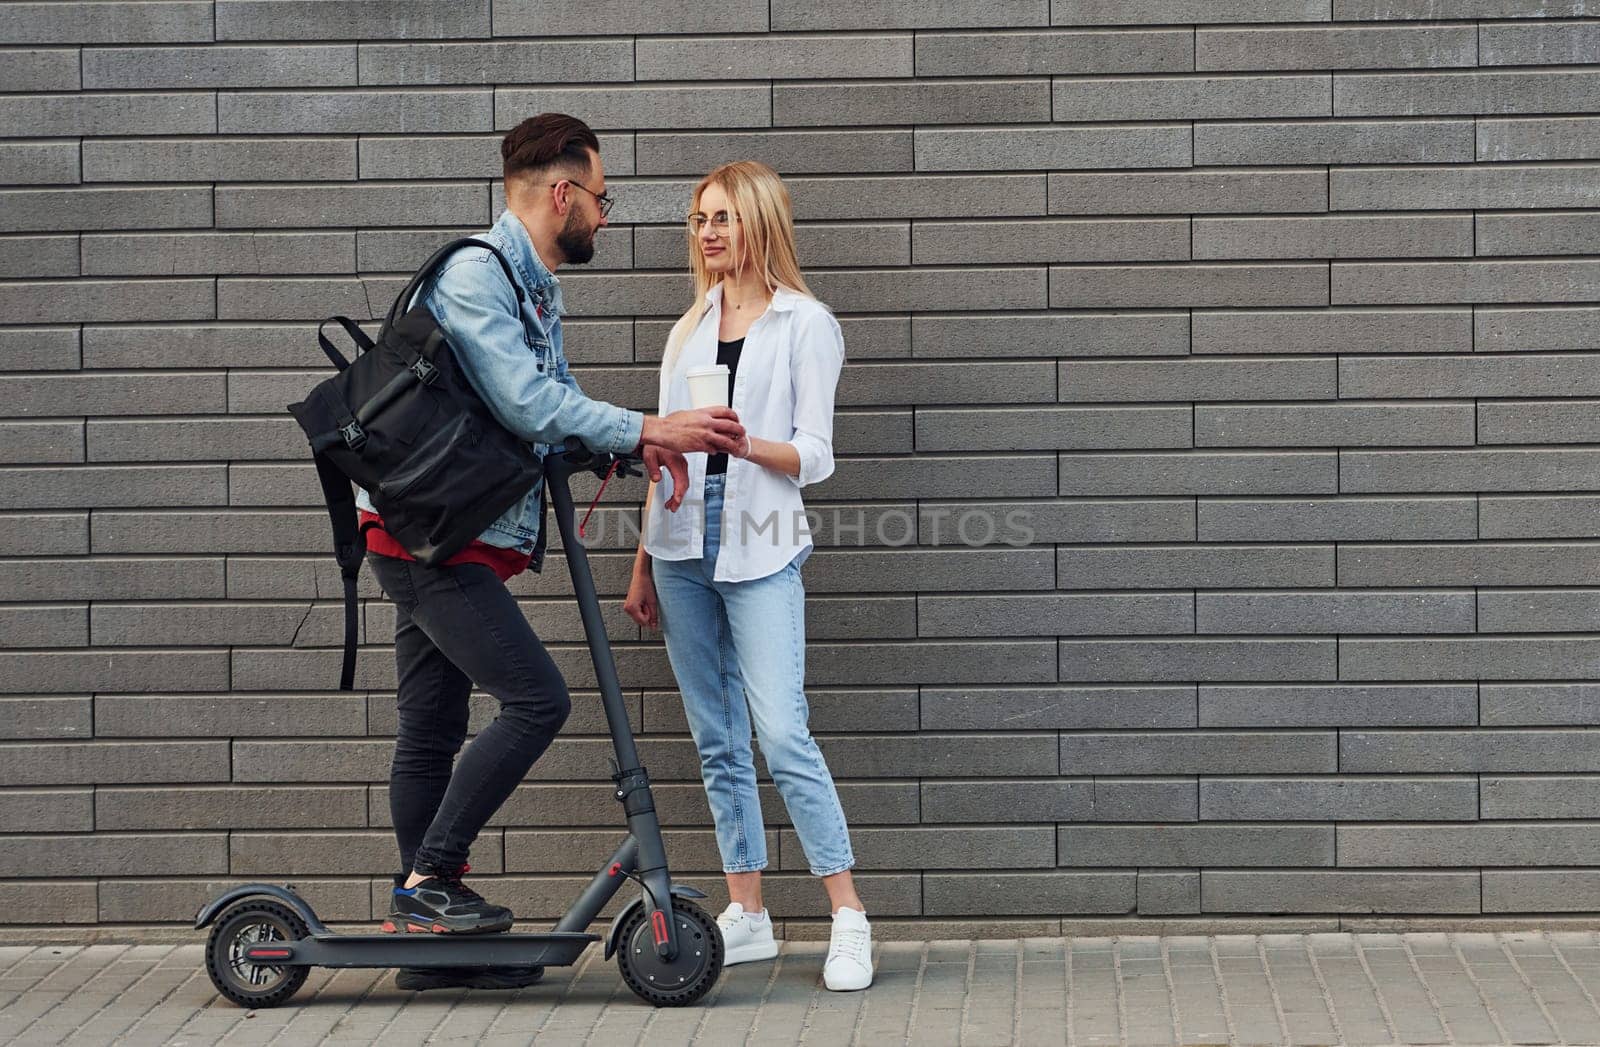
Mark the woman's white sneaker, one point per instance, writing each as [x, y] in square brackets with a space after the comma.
[849, 965]
[746, 937]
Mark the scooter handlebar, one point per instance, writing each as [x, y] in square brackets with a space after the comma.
[578, 457]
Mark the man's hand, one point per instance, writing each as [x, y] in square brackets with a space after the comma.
[709, 429]
[659, 458]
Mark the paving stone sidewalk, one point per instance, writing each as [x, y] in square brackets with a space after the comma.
[1508, 988]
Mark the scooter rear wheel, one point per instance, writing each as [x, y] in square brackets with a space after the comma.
[684, 979]
[251, 922]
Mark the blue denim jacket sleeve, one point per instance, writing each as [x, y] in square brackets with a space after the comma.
[474, 304]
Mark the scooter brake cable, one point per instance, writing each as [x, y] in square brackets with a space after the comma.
[603, 481]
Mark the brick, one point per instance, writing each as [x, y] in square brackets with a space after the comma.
[1339, 799]
[789, 152]
[50, 810]
[1346, 613]
[1195, 845]
[85, 301]
[1489, 658]
[64, 716]
[936, 383]
[42, 442]
[368, 204]
[1007, 801]
[112, 854]
[1461, 187]
[1541, 891]
[1538, 234]
[40, 69]
[1197, 192]
[967, 848]
[1343, 892]
[911, 102]
[1057, 708]
[65, 116]
[904, 14]
[48, 901]
[1334, 142]
[85, 23]
[1562, 43]
[1196, 566]
[1201, 752]
[592, 60]
[178, 440]
[228, 716]
[346, 112]
[847, 710]
[1466, 845]
[154, 901]
[87, 763]
[1336, 47]
[990, 894]
[941, 756]
[39, 256]
[859, 431]
[333, 853]
[1105, 287]
[1054, 335]
[45, 534]
[1495, 470]
[1053, 240]
[1052, 428]
[1025, 475]
[1423, 94]
[1190, 97]
[217, 253]
[1186, 472]
[1401, 9]
[1047, 148]
[1539, 138]
[627, 294]
[44, 487]
[25, 210]
[770, 58]
[1053, 614]
[78, 671]
[1331, 236]
[231, 807]
[1535, 517]
[1195, 380]
[886, 244]
[1516, 374]
[1168, 892]
[1539, 798]
[1338, 705]
[1480, 563]
[933, 196]
[1444, 752]
[1145, 12]
[189, 67]
[1341, 331]
[1325, 425]
[348, 760]
[220, 160]
[111, 578]
[1539, 704]
[292, 298]
[43, 625]
[1063, 52]
[349, 19]
[1429, 282]
[39, 163]
[907, 290]
[39, 349]
[1195, 659]
[1532, 421]
[1021, 661]
[111, 393]
[638, 106]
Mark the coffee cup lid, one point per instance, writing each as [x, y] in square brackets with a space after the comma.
[695, 372]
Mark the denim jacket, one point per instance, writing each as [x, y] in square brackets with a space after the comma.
[513, 358]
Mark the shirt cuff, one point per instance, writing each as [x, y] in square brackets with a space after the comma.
[627, 431]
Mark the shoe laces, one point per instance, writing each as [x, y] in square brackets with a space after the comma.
[453, 881]
[850, 943]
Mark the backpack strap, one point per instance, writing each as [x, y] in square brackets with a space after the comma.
[349, 548]
[435, 262]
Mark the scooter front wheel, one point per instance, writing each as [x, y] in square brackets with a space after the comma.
[684, 979]
[251, 922]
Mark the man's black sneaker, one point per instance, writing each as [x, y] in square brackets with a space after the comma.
[442, 904]
[421, 979]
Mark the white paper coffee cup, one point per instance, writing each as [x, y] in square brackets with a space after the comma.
[708, 386]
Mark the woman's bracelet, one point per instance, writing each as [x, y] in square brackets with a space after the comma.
[749, 446]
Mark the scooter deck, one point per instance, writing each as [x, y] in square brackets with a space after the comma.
[551, 949]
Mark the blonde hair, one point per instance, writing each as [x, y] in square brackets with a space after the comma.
[759, 200]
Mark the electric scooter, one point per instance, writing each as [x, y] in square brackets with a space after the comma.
[266, 938]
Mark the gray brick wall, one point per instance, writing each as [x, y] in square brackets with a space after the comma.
[1274, 323]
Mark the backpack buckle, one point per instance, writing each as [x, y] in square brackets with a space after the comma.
[353, 435]
[424, 370]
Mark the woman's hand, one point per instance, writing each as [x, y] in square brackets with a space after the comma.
[641, 603]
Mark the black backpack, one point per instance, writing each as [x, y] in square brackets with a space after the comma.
[403, 421]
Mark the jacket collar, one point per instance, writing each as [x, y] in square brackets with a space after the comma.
[783, 299]
[512, 236]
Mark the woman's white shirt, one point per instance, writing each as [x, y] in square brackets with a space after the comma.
[783, 391]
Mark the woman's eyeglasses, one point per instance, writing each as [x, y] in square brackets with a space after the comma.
[719, 222]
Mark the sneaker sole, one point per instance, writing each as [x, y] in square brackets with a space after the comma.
[391, 926]
[750, 953]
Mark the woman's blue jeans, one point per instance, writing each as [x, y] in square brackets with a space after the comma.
[738, 650]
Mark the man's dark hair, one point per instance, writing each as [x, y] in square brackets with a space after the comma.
[546, 142]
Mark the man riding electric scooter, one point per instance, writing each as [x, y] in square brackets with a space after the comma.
[456, 624]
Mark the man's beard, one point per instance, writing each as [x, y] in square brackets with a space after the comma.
[575, 241]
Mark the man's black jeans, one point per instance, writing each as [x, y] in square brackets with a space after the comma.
[456, 626]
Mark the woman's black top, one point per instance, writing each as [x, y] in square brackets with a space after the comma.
[727, 353]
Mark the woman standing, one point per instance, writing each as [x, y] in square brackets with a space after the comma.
[723, 585]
